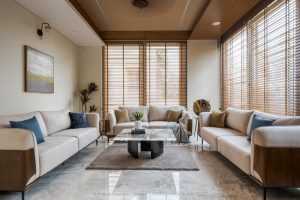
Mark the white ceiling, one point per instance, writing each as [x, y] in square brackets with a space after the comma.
[62, 17]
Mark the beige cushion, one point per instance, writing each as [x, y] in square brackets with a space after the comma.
[174, 115]
[132, 109]
[54, 151]
[4, 120]
[160, 113]
[56, 120]
[218, 119]
[158, 124]
[238, 119]
[287, 121]
[85, 136]
[122, 116]
[119, 127]
[236, 149]
[211, 134]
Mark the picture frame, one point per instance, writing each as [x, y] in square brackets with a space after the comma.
[39, 71]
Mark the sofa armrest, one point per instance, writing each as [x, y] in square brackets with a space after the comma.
[112, 121]
[93, 120]
[275, 156]
[204, 119]
[277, 136]
[19, 163]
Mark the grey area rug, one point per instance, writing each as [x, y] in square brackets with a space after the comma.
[116, 157]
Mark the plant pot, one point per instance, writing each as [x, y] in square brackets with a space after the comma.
[138, 124]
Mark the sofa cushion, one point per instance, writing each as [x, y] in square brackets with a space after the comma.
[158, 124]
[78, 120]
[122, 116]
[119, 127]
[287, 121]
[211, 134]
[218, 119]
[84, 135]
[236, 149]
[260, 114]
[238, 119]
[258, 121]
[4, 120]
[54, 151]
[174, 115]
[56, 120]
[32, 125]
[132, 109]
[160, 113]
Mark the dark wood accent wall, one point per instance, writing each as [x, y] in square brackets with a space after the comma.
[144, 35]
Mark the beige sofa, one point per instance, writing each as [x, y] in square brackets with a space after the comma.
[272, 155]
[23, 160]
[154, 117]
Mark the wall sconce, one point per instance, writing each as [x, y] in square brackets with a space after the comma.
[47, 28]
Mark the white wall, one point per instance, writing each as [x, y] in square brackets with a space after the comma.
[18, 28]
[203, 72]
[90, 70]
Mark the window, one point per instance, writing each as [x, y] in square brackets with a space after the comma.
[152, 73]
[260, 62]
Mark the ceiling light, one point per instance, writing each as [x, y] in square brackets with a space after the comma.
[216, 23]
[140, 3]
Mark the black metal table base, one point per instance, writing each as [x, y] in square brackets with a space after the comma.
[156, 148]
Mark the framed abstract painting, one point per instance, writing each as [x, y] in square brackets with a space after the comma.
[39, 71]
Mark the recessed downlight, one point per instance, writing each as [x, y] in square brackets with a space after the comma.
[216, 23]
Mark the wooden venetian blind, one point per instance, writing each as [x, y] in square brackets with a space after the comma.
[166, 73]
[122, 75]
[265, 52]
[144, 74]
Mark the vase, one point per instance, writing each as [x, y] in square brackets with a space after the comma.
[138, 124]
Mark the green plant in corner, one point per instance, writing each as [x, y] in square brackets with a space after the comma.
[85, 97]
[137, 116]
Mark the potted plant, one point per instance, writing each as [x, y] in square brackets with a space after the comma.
[85, 97]
[138, 116]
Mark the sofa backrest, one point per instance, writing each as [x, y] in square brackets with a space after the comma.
[56, 120]
[132, 109]
[287, 121]
[4, 120]
[238, 119]
[160, 113]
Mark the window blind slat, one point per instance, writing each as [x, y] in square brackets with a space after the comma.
[259, 62]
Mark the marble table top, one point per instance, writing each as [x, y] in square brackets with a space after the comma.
[150, 135]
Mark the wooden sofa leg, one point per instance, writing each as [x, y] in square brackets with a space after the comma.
[97, 142]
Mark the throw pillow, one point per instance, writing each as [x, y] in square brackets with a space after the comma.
[259, 121]
[78, 120]
[174, 115]
[218, 119]
[31, 124]
[122, 116]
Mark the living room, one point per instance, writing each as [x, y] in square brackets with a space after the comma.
[149, 99]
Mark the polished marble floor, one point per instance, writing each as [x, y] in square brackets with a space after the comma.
[217, 179]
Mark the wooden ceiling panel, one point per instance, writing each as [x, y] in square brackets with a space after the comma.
[228, 12]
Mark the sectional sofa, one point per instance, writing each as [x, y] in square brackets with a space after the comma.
[23, 161]
[154, 117]
[272, 157]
